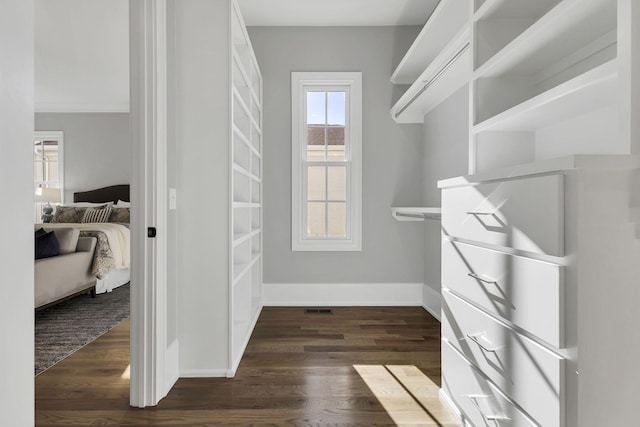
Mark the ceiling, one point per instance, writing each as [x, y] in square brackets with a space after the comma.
[336, 12]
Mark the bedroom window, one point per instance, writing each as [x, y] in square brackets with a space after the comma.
[48, 171]
[326, 161]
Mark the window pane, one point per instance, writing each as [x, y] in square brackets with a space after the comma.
[337, 219]
[316, 183]
[52, 168]
[335, 149]
[315, 144]
[336, 108]
[315, 108]
[38, 174]
[337, 183]
[316, 220]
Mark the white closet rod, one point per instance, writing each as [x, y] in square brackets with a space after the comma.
[431, 81]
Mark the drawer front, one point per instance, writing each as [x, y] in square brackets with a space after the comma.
[478, 401]
[525, 371]
[525, 214]
[526, 292]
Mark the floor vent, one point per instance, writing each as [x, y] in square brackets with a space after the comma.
[318, 311]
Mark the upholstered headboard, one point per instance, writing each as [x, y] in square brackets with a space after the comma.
[112, 193]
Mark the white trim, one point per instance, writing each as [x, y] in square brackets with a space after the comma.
[342, 294]
[448, 402]
[172, 364]
[53, 107]
[432, 301]
[152, 369]
[203, 373]
[353, 81]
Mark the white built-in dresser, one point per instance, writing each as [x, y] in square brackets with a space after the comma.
[541, 242]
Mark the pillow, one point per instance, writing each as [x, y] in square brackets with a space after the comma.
[67, 239]
[100, 214]
[67, 214]
[46, 245]
[121, 215]
[123, 204]
[87, 204]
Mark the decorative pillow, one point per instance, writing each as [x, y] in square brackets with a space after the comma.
[66, 214]
[100, 214]
[46, 245]
[68, 239]
[121, 215]
[123, 204]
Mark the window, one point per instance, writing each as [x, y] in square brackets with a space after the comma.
[47, 170]
[326, 161]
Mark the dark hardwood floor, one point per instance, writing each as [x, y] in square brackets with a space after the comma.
[376, 366]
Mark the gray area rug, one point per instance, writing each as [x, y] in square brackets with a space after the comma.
[66, 327]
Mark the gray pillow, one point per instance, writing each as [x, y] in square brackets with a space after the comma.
[68, 239]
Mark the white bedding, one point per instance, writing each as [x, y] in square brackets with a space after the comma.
[112, 280]
[118, 235]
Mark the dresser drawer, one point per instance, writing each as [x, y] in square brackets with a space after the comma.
[526, 292]
[478, 401]
[525, 371]
[525, 214]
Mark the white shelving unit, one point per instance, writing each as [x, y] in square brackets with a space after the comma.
[437, 64]
[246, 191]
[545, 81]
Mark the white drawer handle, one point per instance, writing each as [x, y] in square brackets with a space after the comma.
[476, 339]
[480, 278]
[495, 414]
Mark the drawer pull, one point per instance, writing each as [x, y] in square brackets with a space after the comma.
[480, 213]
[480, 278]
[490, 412]
[476, 338]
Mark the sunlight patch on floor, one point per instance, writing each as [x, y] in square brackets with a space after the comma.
[126, 374]
[408, 395]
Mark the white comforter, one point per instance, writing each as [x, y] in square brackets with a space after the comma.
[118, 235]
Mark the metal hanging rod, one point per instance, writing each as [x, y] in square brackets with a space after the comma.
[431, 81]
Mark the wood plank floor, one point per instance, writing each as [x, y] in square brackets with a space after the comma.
[356, 367]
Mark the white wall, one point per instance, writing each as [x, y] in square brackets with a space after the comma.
[202, 143]
[16, 252]
[392, 155]
[97, 148]
[445, 155]
[82, 55]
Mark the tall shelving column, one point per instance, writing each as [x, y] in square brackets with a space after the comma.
[246, 190]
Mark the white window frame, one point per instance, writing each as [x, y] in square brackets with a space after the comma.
[300, 82]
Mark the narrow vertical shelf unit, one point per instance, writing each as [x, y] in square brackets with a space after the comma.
[246, 190]
[545, 81]
[437, 64]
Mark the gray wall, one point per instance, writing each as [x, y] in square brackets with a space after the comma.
[392, 155]
[97, 148]
[445, 155]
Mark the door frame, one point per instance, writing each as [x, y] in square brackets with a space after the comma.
[152, 376]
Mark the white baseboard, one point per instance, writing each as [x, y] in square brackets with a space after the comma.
[342, 294]
[432, 301]
[203, 373]
[172, 368]
[446, 400]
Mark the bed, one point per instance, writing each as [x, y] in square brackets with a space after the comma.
[111, 264]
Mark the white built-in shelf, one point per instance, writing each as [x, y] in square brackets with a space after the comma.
[512, 9]
[244, 139]
[594, 89]
[238, 168]
[243, 237]
[560, 32]
[246, 205]
[246, 109]
[447, 17]
[447, 73]
[245, 77]
[415, 213]
[240, 270]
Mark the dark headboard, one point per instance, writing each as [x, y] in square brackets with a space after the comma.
[112, 193]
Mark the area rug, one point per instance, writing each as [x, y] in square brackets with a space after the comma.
[66, 327]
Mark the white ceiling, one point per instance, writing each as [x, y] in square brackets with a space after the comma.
[81, 55]
[336, 12]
